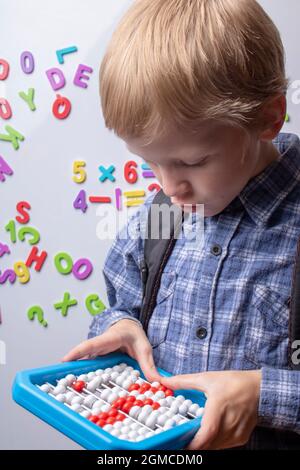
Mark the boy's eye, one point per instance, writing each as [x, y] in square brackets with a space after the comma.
[200, 163]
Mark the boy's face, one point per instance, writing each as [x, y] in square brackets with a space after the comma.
[205, 168]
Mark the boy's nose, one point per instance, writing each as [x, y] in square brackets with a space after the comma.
[174, 187]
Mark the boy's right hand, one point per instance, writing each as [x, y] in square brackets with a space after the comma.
[126, 336]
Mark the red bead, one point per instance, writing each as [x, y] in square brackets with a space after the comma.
[120, 417]
[169, 393]
[127, 407]
[111, 420]
[145, 387]
[101, 423]
[112, 412]
[148, 401]
[133, 387]
[131, 399]
[154, 389]
[162, 388]
[138, 403]
[103, 415]
[93, 418]
[156, 405]
[78, 385]
[118, 403]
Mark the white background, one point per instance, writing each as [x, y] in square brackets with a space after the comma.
[43, 177]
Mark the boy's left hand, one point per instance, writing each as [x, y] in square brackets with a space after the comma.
[230, 412]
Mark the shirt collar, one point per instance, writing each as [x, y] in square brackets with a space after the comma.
[263, 193]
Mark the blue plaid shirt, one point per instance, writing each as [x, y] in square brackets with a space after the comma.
[225, 304]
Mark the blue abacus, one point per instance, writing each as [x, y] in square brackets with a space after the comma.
[26, 392]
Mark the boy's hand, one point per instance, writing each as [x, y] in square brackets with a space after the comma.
[230, 412]
[126, 336]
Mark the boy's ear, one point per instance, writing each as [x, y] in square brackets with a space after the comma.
[273, 117]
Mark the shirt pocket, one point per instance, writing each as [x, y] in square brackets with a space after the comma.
[267, 331]
[160, 319]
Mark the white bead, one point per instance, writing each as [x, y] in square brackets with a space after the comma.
[142, 431]
[105, 378]
[141, 397]
[163, 402]
[155, 384]
[69, 396]
[200, 412]
[105, 394]
[91, 375]
[188, 403]
[122, 394]
[107, 427]
[118, 425]
[63, 382]
[140, 381]
[117, 368]
[125, 429]
[115, 432]
[85, 413]
[136, 373]
[152, 418]
[78, 399]
[127, 421]
[89, 400]
[193, 408]
[149, 434]
[132, 434]
[112, 397]
[127, 383]
[108, 370]
[83, 377]
[76, 407]
[170, 423]
[180, 398]
[134, 426]
[58, 389]
[97, 404]
[129, 368]
[148, 394]
[93, 384]
[123, 365]
[183, 409]
[61, 397]
[170, 400]
[119, 380]
[114, 375]
[175, 407]
[159, 395]
[123, 437]
[99, 372]
[135, 411]
[158, 430]
[45, 388]
[161, 420]
[177, 418]
[163, 409]
[70, 378]
[135, 393]
[105, 408]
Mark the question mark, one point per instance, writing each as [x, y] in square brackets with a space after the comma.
[37, 311]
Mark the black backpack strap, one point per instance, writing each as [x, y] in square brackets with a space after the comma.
[295, 308]
[156, 254]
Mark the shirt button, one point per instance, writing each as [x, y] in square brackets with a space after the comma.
[201, 332]
[216, 250]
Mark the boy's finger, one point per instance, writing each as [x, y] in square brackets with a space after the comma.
[143, 354]
[97, 346]
[209, 429]
[193, 381]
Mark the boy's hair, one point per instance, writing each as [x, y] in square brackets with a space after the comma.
[182, 62]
